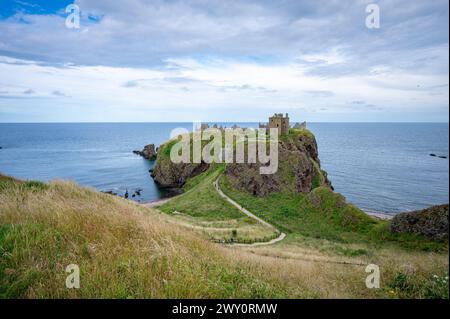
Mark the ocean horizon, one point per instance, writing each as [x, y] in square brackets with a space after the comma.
[382, 167]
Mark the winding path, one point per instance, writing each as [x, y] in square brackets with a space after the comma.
[251, 215]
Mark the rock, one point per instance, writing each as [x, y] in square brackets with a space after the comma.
[110, 193]
[170, 175]
[432, 154]
[430, 222]
[298, 169]
[148, 152]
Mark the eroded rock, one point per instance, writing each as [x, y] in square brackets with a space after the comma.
[148, 152]
[430, 222]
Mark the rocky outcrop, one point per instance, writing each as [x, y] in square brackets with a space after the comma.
[431, 222]
[173, 175]
[148, 152]
[298, 169]
[170, 175]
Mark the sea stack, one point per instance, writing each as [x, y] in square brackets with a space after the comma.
[148, 152]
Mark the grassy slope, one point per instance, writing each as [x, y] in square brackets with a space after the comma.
[322, 223]
[123, 250]
[219, 219]
[129, 251]
[323, 214]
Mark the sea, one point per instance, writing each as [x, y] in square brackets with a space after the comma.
[380, 167]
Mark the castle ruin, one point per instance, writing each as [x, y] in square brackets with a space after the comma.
[278, 121]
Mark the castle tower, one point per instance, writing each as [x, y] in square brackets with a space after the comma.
[280, 122]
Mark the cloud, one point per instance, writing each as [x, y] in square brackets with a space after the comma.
[201, 57]
[59, 93]
[245, 87]
[319, 93]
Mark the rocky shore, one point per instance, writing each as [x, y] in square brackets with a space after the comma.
[148, 152]
[431, 222]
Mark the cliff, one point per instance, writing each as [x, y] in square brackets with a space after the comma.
[431, 222]
[298, 168]
[171, 175]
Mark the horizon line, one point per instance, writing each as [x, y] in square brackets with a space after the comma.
[232, 122]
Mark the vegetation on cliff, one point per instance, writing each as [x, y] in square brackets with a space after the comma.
[126, 250]
[123, 250]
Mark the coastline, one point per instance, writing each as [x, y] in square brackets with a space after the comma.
[383, 216]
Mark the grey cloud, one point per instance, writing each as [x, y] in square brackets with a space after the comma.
[131, 84]
[59, 93]
[145, 33]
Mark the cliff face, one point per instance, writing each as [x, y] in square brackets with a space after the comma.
[430, 222]
[149, 152]
[298, 168]
[171, 175]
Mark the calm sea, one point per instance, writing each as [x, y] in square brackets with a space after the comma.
[380, 167]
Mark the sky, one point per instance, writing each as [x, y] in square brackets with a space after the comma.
[215, 60]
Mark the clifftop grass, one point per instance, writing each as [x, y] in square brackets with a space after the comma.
[323, 214]
[123, 250]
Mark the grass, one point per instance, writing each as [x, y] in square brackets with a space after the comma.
[202, 207]
[323, 214]
[125, 250]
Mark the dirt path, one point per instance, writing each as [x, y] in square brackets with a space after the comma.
[251, 215]
[235, 204]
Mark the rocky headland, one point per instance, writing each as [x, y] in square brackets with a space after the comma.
[298, 168]
[148, 152]
[299, 172]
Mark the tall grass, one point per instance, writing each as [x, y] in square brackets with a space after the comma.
[123, 250]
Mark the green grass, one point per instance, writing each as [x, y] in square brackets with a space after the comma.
[124, 250]
[202, 202]
[412, 285]
[323, 214]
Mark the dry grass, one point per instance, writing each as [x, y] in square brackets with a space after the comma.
[123, 250]
[224, 230]
[129, 251]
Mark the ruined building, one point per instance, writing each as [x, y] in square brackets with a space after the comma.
[279, 122]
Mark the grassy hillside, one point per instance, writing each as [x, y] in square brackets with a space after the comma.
[123, 250]
[324, 214]
[202, 206]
